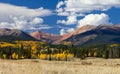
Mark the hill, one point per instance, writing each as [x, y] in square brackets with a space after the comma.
[13, 34]
[45, 37]
[101, 34]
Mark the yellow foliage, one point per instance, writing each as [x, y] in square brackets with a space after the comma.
[60, 56]
[42, 56]
[113, 45]
[33, 51]
[5, 44]
[53, 56]
[70, 56]
[66, 43]
[4, 56]
[34, 47]
[95, 54]
[14, 56]
[64, 52]
[22, 57]
[89, 54]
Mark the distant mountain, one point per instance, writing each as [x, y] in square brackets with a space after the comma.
[75, 32]
[85, 35]
[13, 34]
[100, 34]
[46, 37]
[82, 36]
[117, 25]
[56, 39]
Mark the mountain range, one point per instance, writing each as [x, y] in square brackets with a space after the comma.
[9, 35]
[100, 35]
[88, 34]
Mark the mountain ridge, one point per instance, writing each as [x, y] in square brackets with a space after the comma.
[46, 37]
[83, 35]
[56, 39]
[13, 34]
[101, 34]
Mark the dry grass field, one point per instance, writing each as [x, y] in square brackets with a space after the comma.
[36, 66]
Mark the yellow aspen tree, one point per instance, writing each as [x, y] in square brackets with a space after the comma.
[89, 54]
[33, 51]
[4, 56]
[95, 54]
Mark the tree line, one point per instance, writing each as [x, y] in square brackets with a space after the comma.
[38, 50]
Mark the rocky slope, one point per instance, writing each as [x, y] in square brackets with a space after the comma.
[56, 39]
[100, 34]
[13, 34]
[46, 37]
[85, 35]
[75, 32]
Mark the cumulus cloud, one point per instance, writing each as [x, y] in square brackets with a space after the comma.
[90, 19]
[62, 32]
[70, 20]
[37, 21]
[66, 30]
[83, 6]
[62, 13]
[70, 30]
[59, 4]
[23, 18]
[7, 9]
[94, 19]
[73, 9]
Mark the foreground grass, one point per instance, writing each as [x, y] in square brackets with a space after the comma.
[36, 66]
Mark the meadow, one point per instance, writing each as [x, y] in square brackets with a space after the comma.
[76, 66]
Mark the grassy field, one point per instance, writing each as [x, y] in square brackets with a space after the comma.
[36, 66]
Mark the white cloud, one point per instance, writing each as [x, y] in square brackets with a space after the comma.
[37, 21]
[66, 30]
[23, 18]
[62, 32]
[62, 13]
[91, 19]
[70, 20]
[77, 8]
[8, 9]
[94, 19]
[59, 4]
[25, 24]
[70, 30]
[83, 6]
[73, 9]
[40, 27]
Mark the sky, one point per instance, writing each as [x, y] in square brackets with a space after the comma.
[57, 16]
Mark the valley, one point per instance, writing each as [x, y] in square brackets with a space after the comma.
[59, 37]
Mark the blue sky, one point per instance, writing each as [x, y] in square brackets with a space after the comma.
[57, 16]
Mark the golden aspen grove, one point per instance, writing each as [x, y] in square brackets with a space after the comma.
[41, 50]
[32, 50]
